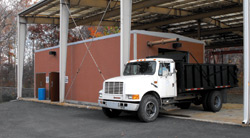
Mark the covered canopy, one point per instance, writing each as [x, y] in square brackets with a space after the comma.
[218, 22]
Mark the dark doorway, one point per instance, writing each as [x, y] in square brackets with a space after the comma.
[40, 82]
[54, 86]
[174, 54]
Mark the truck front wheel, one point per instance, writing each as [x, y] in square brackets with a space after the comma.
[215, 101]
[111, 113]
[149, 109]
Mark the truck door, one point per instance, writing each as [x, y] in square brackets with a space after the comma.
[166, 84]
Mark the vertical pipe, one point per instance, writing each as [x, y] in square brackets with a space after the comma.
[21, 36]
[126, 9]
[246, 60]
[64, 23]
[135, 45]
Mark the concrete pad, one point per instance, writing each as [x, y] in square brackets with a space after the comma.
[229, 114]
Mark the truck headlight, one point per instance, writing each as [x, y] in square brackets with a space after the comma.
[134, 97]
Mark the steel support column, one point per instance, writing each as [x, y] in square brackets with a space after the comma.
[135, 45]
[126, 9]
[21, 24]
[64, 23]
[246, 9]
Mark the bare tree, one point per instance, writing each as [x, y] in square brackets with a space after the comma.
[8, 29]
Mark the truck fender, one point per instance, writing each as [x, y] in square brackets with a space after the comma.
[155, 94]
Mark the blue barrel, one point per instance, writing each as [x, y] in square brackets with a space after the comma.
[41, 93]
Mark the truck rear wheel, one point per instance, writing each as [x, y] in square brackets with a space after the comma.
[205, 102]
[149, 109]
[215, 101]
[111, 113]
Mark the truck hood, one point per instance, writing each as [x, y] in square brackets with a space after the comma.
[136, 84]
[130, 78]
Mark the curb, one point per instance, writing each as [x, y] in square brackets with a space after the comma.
[61, 104]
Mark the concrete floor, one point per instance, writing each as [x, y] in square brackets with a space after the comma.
[24, 119]
[231, 113]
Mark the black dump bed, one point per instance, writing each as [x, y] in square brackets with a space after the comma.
[192, 77]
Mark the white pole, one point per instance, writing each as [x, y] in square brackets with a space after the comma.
[64, 23]
[126, 9]
[135, 45]
[21, 24]
[246, 61]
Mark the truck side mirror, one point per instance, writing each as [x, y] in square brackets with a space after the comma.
[172, 67]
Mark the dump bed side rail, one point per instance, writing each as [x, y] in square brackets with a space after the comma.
[193, 77]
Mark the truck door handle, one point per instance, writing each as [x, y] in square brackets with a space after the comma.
[51, 83]
[172, 84]
[41, 83]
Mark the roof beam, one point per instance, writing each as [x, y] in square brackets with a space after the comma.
[116, 12]
[170, 11]
[236, 1]
[42, 20]
[46, 8]
[79, 10]
[54, 13]
[177, 3]
[190, 17]
[104, 23]
[179, 12]
[93, 3]
[224, 44]
[214, 31]
[35, 7]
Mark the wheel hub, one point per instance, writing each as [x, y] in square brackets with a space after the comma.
[217, 102]
[150, 109]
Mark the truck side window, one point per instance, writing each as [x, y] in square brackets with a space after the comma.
[163, 66]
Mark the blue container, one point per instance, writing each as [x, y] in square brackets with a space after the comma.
[41, 93]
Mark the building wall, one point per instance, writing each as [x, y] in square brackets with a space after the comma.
[143, 51]
[106, 52]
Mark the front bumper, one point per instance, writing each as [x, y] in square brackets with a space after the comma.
[119, 105]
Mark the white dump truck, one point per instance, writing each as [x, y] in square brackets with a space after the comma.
[152, 83]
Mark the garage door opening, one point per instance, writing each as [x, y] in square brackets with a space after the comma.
[174, 54]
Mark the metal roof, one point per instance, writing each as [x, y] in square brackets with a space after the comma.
[218, 22]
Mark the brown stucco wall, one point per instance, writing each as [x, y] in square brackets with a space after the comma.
[106, 52]
[143, 51]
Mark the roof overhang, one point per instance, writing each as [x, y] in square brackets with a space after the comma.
[216, 21]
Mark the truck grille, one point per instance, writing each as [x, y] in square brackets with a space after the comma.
[114, 87]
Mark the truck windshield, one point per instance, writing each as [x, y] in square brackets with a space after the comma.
[140, 68]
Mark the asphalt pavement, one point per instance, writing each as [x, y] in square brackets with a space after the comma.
[22, 119]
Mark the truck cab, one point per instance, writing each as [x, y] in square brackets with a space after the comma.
[151, 78]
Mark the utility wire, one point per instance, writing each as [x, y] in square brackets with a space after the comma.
[87, 47]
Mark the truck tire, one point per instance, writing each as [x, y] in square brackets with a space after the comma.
[215, 101]
[205, 102]
[184, 105]
[111, 113]
[149, 109]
